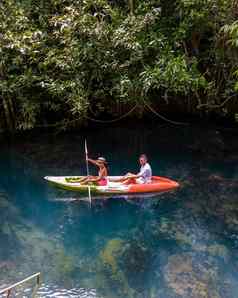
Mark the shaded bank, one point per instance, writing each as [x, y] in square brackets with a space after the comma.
[64, 62]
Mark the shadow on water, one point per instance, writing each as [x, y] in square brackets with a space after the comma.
[178, 244]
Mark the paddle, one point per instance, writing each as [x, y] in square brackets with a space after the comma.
[86, 156]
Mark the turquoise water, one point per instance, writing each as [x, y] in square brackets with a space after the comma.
[178, 244]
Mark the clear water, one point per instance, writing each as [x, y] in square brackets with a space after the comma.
[179, 244]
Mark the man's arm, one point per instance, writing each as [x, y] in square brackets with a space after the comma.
[130, 175]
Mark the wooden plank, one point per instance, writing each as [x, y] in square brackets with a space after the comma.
[8, 289]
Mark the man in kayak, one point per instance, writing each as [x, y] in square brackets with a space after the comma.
[144, 176]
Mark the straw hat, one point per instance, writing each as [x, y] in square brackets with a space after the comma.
[102, 159]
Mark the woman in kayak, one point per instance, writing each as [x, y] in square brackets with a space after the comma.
[101, 180]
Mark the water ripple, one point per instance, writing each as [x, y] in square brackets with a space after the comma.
[49, 291]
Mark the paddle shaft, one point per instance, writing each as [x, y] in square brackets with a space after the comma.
[86, 155]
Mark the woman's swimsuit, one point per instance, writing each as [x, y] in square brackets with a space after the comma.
[102, 181]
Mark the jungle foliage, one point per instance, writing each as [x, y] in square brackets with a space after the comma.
[65, 60]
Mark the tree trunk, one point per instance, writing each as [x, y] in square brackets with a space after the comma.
[131, 6]
[7, 113]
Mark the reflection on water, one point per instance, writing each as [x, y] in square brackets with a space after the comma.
[53, 291]
[181, 244]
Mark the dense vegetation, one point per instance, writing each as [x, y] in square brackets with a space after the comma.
[64, 60]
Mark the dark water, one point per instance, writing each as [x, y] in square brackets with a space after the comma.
[180, 244]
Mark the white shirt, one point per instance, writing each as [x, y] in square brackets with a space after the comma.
[146, 173]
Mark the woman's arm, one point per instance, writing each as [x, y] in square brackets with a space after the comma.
[93, 161]
[94, 179]
[99, 177]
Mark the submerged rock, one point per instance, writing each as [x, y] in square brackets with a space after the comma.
[110, 253]
[122, 268]
[113, 282]
[188, 278]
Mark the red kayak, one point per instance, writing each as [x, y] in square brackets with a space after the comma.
[157, 185]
